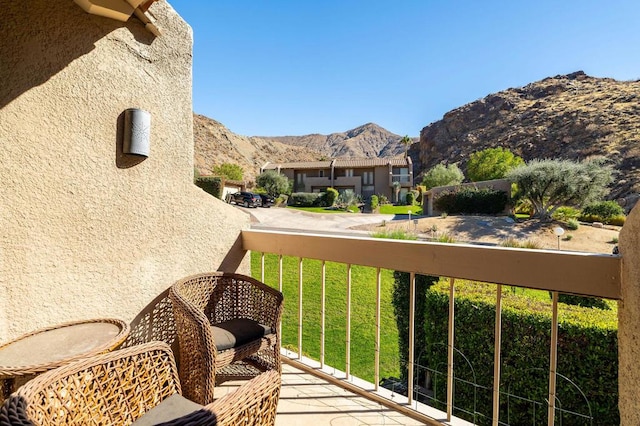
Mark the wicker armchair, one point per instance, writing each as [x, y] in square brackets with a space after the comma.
[224, 318]
[155, 323]
[138, 384]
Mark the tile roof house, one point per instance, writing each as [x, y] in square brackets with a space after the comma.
[365, 177]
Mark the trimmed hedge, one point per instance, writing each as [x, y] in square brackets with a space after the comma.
[304, 199]
[210, 184]
[470, 200]
[587, 355]
[400, 300]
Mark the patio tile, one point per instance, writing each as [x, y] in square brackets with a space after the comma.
[308, 400]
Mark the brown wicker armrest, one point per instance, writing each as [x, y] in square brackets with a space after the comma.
[254, 403]
[119, 386]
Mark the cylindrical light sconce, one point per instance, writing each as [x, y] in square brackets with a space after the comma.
[137, 129]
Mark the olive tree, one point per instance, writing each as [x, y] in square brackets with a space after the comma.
[442, 175]
[549, 184]
[273, 183]
[491, 163]
[228, 171]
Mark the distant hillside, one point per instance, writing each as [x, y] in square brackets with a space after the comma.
[214, 144]
[367, 141]
[571, 116]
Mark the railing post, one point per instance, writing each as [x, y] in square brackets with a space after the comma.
[553, 361]
[450, 349]
[348, 349]
[280, 287]
[323, 312]
[377, 344]
[496, 357]
[412, 316]
[300, 308]
[262, 266]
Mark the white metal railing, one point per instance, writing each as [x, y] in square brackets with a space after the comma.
[588, 274]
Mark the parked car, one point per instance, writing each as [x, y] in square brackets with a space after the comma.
[247, 199]
[267, 200]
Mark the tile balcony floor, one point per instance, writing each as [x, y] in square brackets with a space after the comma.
[309, 400]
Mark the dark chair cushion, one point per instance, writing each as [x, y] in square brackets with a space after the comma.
[237, 332]
[171, 408]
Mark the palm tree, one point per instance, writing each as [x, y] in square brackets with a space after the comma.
[406, 141]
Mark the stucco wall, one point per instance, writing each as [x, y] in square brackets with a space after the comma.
[629, 321]
[85, 231]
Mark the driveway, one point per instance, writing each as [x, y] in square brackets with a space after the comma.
[290, 219]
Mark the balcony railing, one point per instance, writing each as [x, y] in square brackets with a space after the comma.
[588, 274]
[403, 179]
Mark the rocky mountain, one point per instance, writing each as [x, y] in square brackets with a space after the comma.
[214, 144]
[367, 141]
[572, 116]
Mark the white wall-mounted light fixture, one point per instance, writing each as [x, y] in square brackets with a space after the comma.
[137, 130]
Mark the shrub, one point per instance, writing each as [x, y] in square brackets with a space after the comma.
[472, 200]
[569, 237]
[587, 345]
[210, 184]
[373, 202]
[617, 220]
[398, 234]
[347, 198]
[603, 212]
[587, 302]
[445, 238]
[572, 224]
[331, 196]
[515, 243]
[410, 198]
[383, 199]
[565, 213]
[303, 199]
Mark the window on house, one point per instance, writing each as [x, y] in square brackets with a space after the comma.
[321, 173]
[367, 178]
[348, 172]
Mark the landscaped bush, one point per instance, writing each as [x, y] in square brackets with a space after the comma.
[383, 199]
[587, 302]
[617, 220]
[472, 200]
[401, 310]
[587, 354]
[603, 212]
[303, 199]
[210, 184]
[331, 195]
[565, 213]
[373, 202]
[573, 224]
[410, 198]
[347, 198]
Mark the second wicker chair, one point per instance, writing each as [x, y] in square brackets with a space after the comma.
[224, 320]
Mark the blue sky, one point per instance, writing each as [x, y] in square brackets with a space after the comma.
[280, 67]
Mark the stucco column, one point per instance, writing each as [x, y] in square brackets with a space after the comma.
[629, 322]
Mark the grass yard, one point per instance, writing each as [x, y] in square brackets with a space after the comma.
[352, 209]
[363, 309]
[391, 209]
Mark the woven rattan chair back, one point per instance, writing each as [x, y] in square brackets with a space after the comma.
[155, 322]
[109, 389]
[203, 300]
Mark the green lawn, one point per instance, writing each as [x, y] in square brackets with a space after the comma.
[363, 327]
[391, 209]
[322, 209]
